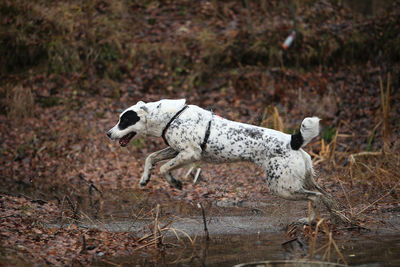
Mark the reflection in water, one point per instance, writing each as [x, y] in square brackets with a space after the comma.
[235, 249]
[238, 235]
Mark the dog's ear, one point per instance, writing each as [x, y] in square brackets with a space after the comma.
[145, 109]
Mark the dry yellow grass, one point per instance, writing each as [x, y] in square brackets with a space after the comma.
[20, 103]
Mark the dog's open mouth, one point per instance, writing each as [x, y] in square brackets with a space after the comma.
[126, 138]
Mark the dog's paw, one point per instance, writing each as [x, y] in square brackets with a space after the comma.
[142, 184]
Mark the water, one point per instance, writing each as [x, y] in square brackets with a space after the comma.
[246, 232]
[229, 250]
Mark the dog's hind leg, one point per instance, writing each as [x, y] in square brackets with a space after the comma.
[297, 193]
[329, 202]
[314, 197]
[152, 159]
[183, 158]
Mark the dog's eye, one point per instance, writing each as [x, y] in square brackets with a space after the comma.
[127, 119]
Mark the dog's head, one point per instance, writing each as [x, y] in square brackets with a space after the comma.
[132, 121]
[145, 119]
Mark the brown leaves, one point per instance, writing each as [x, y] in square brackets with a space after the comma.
[23, 225]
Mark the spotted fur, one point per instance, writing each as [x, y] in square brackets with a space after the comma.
[288, 168]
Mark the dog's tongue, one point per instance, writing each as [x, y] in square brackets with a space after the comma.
[125, 140]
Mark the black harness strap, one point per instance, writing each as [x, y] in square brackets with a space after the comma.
[203, 145]
[169, 123]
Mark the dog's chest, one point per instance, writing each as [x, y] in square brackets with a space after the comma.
[189, 129]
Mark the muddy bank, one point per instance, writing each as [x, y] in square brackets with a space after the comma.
[223, 217]
[246, 218]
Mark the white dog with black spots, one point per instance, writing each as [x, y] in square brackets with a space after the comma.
[193, 134]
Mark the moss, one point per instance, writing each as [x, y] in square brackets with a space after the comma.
[328, 134]
[138, 143]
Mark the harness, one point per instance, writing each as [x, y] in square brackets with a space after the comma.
[203, 145]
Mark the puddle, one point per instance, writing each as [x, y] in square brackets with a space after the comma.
[240, 232]
[229, 250]
[133, 211]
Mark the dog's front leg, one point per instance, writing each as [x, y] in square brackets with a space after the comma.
[152, 159]
[182, 159]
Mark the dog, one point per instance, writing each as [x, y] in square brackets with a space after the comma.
[193, 134]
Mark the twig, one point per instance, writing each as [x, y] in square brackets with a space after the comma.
[152, 242]
[156, 228]
[135, 220]
[347, 198]
[379, 199]
[314, 240]
[90, 184]
[385, 105]
[365, 153]
[83, 250]
[327, 232]
[321, 248]
[73, 207]
[181, 231]
[372, 135]
[151, 234]
[353, 160]
[204, 221]
[333, 148]
[110, 262]
[91, 221]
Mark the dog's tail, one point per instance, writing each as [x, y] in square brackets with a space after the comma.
[308, 130]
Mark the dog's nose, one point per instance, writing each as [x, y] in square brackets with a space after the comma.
[109, 134]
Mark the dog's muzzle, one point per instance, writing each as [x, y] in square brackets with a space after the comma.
[124, 141]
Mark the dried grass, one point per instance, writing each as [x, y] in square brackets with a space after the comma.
[272, 119]
[385, 105]
[20, 104]
[329, 245]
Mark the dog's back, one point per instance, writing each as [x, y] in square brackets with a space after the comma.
[231, 141]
